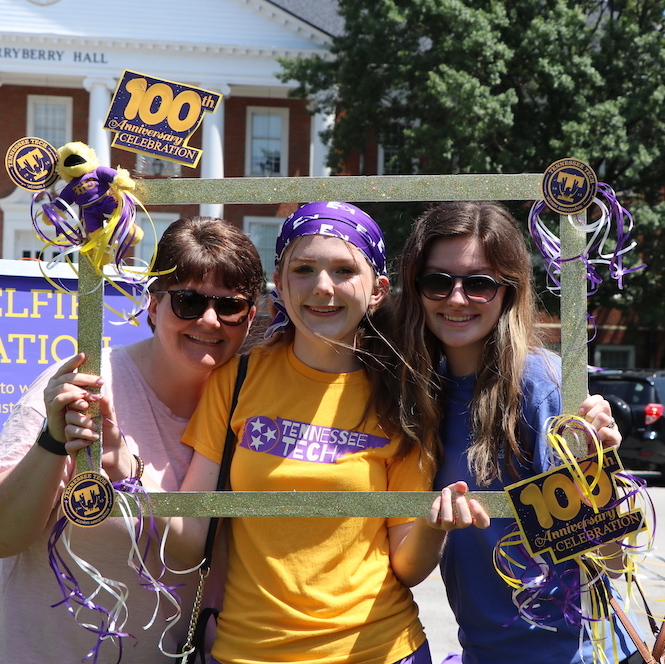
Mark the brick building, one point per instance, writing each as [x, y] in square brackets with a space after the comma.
[60, 61]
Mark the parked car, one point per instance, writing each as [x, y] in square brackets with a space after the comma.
[637, 398]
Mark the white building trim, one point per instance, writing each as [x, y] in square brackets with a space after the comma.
[230, 46]
[212, 160]
[100, 98]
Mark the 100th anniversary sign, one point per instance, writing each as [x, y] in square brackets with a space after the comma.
[553, 515]
[156, 117]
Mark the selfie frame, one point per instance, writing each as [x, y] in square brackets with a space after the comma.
[352, 189]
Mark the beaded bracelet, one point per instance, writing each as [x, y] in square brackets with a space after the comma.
[139, 468]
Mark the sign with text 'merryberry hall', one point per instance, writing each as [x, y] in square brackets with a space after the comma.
[156, 117]
[38, 326]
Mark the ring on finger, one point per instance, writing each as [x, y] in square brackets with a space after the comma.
[611, 424]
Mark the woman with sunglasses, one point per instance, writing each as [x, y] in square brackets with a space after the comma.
[466, 317]
[200, 313]
[311, 416]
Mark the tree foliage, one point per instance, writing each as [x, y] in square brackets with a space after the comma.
[507, 87]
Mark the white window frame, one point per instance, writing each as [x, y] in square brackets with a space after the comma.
[161, 221]
[628, 350]
[27, 242]
[283, 113]
[50, 100]
[268, 257]
[381, 160]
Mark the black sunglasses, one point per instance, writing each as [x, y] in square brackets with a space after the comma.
[190, 304]
[477, 287]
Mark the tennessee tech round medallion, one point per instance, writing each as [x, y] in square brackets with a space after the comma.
[30, 163]
[88, 499]
[569, 186]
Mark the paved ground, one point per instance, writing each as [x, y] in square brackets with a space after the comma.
[438, 620]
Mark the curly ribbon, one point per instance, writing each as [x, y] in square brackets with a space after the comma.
[540, 589]
[582, 431]
[584, 602]
[58, 224]
[113, 620]
[112, 623]
[612, 215]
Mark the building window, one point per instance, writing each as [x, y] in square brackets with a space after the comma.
[155, 167]
[267, 141]
[29, 246]
[391, 143]
[153, 229]
[614, 357]
[50, 118]
[263, 232]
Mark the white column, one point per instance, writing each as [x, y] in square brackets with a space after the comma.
[212, 159]
[100, 99]
[318, 152]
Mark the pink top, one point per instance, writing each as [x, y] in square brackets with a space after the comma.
[31, 630]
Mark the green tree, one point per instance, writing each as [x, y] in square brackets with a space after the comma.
[507, 87]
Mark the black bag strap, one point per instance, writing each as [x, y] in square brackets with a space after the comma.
[225, 466]
[199, 618]
[200, 630]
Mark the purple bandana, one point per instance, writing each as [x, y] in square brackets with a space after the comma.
[341, 220]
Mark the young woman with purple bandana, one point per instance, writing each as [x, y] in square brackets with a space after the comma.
[309, 417]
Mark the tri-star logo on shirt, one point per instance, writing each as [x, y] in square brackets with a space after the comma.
[302, 441]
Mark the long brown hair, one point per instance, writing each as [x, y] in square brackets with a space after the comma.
[496, 406]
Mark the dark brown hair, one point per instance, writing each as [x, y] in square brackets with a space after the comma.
[208, 249]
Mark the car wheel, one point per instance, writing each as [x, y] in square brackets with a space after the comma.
[621, 414]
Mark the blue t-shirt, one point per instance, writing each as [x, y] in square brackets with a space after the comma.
[490, 630]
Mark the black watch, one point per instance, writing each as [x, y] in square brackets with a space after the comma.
[48, 442]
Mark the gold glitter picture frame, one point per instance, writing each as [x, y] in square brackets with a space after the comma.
[356, 189]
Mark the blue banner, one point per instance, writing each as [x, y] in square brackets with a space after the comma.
[38, 326]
